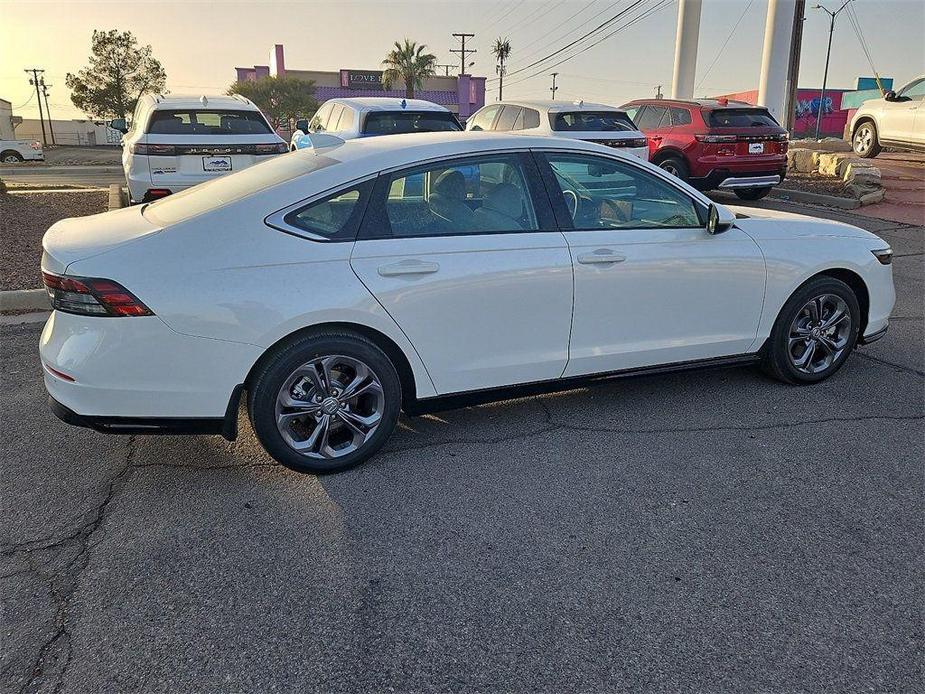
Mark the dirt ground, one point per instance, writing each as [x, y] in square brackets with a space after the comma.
[24, 219]
[813, 183]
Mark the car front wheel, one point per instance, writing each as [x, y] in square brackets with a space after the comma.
[865, 141]
[10, 157]
[814, 333]
[325, 402]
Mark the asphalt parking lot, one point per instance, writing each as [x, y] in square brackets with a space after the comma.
[704, 531]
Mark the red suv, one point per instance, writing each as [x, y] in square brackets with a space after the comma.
[714, 143]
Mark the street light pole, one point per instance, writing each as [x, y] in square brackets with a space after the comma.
[828, 54]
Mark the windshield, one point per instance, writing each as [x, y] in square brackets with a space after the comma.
[741, 118]
[218, 192]
[207, 122]
[596, 121]
[397, 122]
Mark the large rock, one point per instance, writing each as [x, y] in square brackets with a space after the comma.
[862, 173]
[828, 144]
[802, 161]
[830, 163]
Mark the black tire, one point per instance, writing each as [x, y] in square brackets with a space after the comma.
[271, 376]
[778, 360]
[865, 141]
[752, 193]
[676, 166]
[11, 156]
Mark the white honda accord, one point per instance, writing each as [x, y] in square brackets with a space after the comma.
[336, 286]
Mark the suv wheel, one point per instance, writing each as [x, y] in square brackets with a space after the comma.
[814, 333]
[752, 193]
[11, 157]
[675, 166]
[325, 402]
[865, 141]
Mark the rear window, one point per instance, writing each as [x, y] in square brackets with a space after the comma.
[398, 122]
[740, 118]
[596, 121]
[207, 122]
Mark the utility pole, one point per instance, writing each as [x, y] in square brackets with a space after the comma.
[828, 54]
[51, 127]
[553, 88]
[793, 70]
[463, 51]
[34, 81]
[658, 92]
[446, 68]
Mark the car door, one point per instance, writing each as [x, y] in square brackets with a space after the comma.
[472, 268]
[651, 285]
[902, 119]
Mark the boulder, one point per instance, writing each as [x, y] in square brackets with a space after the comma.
[872, 197]
[862, 173]
[802, 161]
[828, 163]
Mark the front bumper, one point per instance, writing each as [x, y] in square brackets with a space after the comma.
[874, 336]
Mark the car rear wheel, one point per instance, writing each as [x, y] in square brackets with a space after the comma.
[11, 157]
[752, 193]
[675, 166]
[814, 333]
[325, 402]
[865, 141]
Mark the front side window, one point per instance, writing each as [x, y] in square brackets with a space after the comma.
[398, 122]
[591, 121]
[471, 196]
[601, 193]
[483, 119]
[914, 91]
[320, 120]
[207, 122]
[334, 120]
[334, 217]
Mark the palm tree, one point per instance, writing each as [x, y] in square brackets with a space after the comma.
[501, 50]
[408, 63]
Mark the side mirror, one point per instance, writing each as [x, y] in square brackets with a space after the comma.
[119, 124]
[302, 125]
[890, 96]
[719, 219]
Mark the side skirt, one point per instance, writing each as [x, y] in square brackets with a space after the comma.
[480, 397]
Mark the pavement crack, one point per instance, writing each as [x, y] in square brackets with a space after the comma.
[907, 369]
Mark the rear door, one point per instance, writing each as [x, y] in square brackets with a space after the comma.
[902, 120]
[466, 258]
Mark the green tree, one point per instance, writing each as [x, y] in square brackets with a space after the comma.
[282, 99]
[120, 71]
[408, 63]
[502, 51]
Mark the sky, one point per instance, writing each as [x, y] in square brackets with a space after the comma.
[200, 42]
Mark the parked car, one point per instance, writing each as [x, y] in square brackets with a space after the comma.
[15, 151]
[598, 123]
[714, 143]
[339, 287]
[897, 120]
[175, 142]
[373, 116]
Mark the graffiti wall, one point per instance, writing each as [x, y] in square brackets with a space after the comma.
[807, 106]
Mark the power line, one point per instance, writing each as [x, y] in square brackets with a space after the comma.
[506, 14]
[569, 31]
[723, 47]
[537, 14]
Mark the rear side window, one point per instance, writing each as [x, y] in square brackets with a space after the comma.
[397, 122]
[680, 116]
[508, 118]
[740, 118]
[595, 121]
[335, 117]
[651, 117]
[531, 118]
[334, 217]
[207, 122]
[484, 118]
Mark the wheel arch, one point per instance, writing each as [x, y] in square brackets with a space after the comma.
[849, 277]
[865, 119]
[10, 151]
[395, 353]
[667, 152]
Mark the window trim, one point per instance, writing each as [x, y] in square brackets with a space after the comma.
[557, 199]
[277, 220]
[376, 216]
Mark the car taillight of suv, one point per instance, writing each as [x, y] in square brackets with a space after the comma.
[715, 143]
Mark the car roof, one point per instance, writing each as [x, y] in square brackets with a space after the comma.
[388, 103]
[553, 106]
[702, 103]
[219, 101]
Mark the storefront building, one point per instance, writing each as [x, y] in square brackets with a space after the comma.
[462, 94]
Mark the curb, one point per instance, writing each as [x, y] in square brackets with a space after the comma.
[25, 318]
[24, 300]
[816, 198]
[117, 197]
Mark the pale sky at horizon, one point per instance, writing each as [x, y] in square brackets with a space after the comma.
[200, 43]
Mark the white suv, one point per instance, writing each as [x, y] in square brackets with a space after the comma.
[896, 120]
[605, 125]
[175, 142]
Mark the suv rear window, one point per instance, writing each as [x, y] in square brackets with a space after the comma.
[207, 122]
[397, 122]
[596, 121]
[740, 118]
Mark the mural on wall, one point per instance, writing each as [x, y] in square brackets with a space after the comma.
[810, 107]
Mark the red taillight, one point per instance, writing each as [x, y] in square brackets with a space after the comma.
[715, 139]
[153, 150]
[36, 145]
[90, 296]
[155, 193]
[274, 148]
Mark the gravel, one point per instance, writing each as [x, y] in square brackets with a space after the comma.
[24, 219]
[812, 183]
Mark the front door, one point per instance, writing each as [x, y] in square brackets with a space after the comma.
[651, 285]
[466, 258]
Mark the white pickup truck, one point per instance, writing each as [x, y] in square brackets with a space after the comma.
[15, 151]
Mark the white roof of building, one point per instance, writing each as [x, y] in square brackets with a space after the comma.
[557, 106]
[388, 103]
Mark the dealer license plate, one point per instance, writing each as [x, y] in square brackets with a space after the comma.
[216, 164]
[756, 148]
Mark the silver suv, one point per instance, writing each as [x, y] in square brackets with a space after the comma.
[896, 120]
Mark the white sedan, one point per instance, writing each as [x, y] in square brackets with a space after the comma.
[334, 287]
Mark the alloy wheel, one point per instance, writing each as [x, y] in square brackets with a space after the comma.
[329, 407]
[863, 139]
[670, 167]
[819, 334]
[10, 159]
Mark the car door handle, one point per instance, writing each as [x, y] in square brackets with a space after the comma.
[602, 256]
[656, 138]
[408, 267]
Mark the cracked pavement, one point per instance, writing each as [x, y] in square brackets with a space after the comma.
[698, 531]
